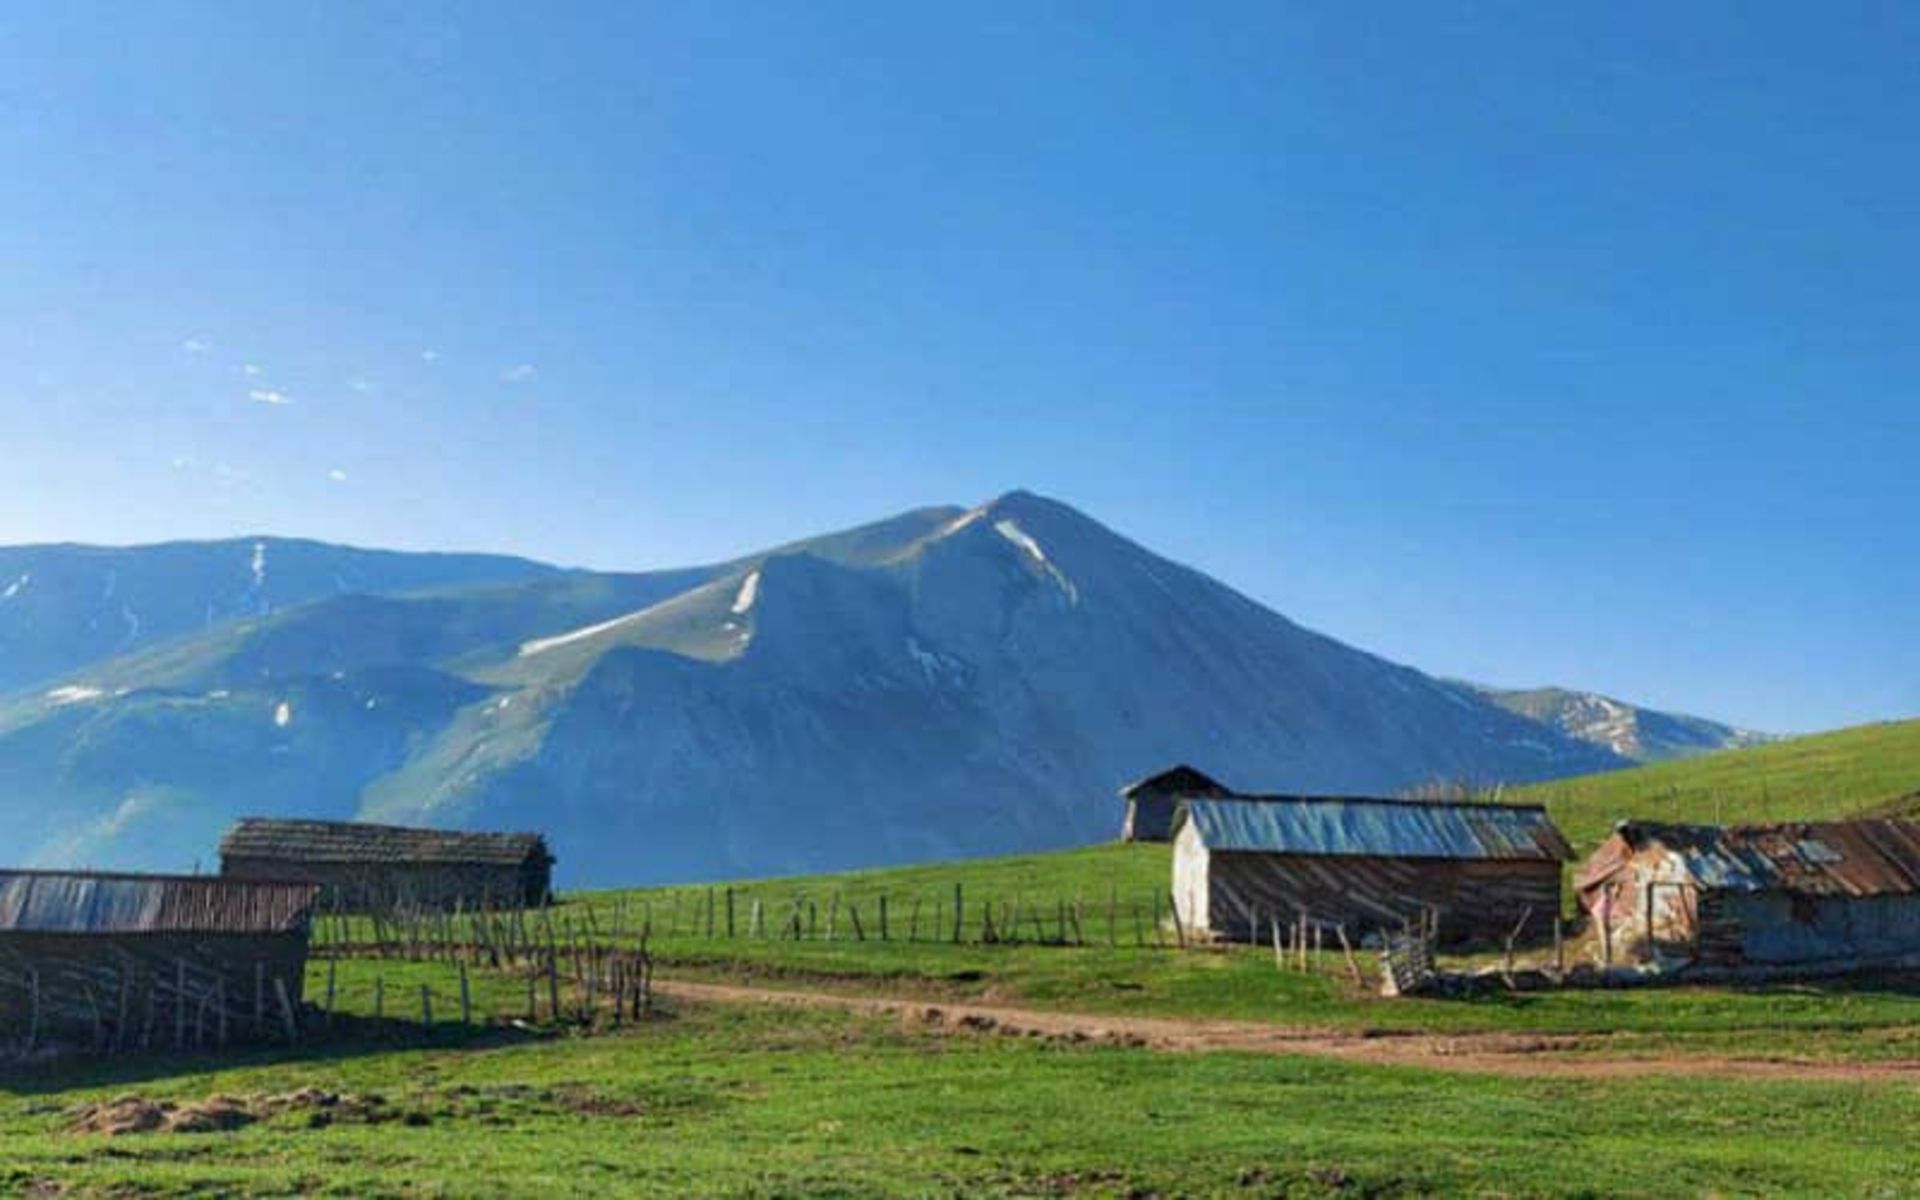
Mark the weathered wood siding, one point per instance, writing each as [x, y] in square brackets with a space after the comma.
[1150, 819]
[361, 887]
[126, 986]
[1648, 909]
[1478, 899]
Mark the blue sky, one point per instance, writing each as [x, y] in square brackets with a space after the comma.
[1522, 342]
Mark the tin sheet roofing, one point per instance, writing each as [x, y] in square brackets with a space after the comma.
[357, 842]
[1350, 827]
[83, 902]
[1871, 857]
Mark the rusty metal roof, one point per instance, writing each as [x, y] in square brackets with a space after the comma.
[1357, 827]
[1868, 857]
[357, 842]
[92, 903]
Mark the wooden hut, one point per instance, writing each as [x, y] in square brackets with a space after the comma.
[1816, 897]
[126, 962]
[374, 867]
[1366, 865]
[1153, 803]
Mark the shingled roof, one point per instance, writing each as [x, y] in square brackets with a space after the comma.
[355, 842]
[83, 902]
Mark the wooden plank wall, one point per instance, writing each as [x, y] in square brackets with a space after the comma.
[1478, 900]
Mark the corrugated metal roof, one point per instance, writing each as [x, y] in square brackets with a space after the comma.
[1876, 857]
[356, 842]
[1341, 826]
[83, 902]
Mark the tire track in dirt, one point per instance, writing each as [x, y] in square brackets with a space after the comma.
[1545, 1055]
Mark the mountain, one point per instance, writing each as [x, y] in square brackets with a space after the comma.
[64, 607]
[945, 682]
[1641, 734]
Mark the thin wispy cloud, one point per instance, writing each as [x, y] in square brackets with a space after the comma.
[250, 370]
[336, 475]
[269, 396]
[429, 356]
[360, 384]
[196, 345]
[524, 373]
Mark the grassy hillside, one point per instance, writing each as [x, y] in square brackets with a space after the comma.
[1870, 768]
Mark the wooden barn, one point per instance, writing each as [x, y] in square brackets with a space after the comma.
[376, 867]
[1366, 865]
[124, 962]
[1153, 803]
[1815, 896]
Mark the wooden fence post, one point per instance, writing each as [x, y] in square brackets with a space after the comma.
[286, 1010]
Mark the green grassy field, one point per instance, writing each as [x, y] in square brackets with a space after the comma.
[1866, 769]
[761, 1101]
[748, 1101]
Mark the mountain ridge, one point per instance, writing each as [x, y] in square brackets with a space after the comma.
[943, 681]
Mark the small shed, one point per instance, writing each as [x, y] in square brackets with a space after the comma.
[1153, 803]
[363, 867]
[1368, 865]
[120, 961]
[1815, 896]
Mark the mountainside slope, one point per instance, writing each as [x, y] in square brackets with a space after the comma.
[945, 682]
[65, 607]
[1867, 769]
[980, 687]
[1640, 734]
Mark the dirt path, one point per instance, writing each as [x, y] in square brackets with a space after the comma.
[1536, 1055]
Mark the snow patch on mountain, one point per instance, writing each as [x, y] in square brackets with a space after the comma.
[542, 645]
[749, 592]
[1010, 529]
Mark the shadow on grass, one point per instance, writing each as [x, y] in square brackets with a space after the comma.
[348, 1037]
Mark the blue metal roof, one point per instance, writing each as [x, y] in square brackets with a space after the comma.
[1329, 826]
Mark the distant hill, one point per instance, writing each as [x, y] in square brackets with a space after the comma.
[944, 682]
[1865, 769]
[1632, 732]
[65, 607]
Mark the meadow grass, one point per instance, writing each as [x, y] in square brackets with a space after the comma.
[752, 1101]
[1850, 772]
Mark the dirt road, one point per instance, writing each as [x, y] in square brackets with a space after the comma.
[1536, 1055]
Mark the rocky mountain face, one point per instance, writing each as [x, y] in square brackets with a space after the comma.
[1640, 734]
[948, 681]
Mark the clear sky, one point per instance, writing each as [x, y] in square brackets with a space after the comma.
[1531, 343]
